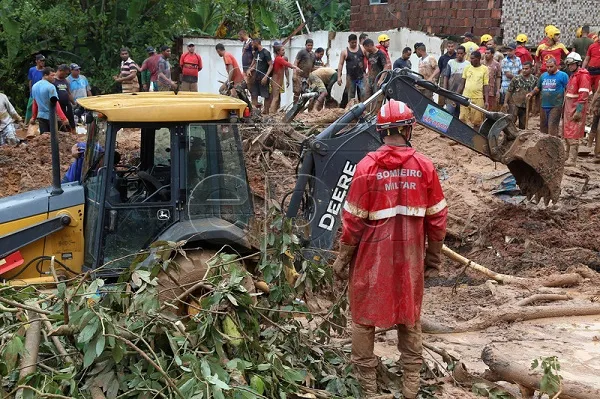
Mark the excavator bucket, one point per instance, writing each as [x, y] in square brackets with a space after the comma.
[537, 161]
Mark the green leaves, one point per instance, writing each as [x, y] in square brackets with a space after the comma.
[551, 380]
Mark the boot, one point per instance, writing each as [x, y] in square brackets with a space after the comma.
[573, 152]
[367, 377]
[567, 150]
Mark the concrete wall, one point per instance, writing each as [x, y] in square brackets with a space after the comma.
[439, 17]
[530, 17]
[214, 68]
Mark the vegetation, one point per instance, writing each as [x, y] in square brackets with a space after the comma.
[91, 32]
[117, 340]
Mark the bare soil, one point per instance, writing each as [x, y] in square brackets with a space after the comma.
[525, 240]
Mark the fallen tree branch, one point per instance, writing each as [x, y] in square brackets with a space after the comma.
[143, 354]
[518, 374]
[24, 307]
[29, 357]
[542, 297]
[550, 281]
[509, 314]
[59, 346]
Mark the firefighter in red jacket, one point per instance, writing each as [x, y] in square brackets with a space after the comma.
[395, 202]
[576, 106]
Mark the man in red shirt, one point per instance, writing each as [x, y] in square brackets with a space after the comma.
[575, 107]
[191, 64]
[234, 74]
[395, 204]
[280, 69]
[592, 63]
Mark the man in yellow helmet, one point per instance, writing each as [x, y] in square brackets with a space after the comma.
[521, 51]
[384, 45]
[553, 48]
[486, 41]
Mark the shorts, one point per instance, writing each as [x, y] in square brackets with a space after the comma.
[355, 88]
[261, 90]
[44, 125]
[595, 79]
[470, 115]
[8, 135]
[188, 86]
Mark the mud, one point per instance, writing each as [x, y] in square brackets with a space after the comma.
[29, 166]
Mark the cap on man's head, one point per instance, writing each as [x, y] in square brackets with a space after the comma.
[63, 67]
[74, 67]
[468, 34]
[150, 49]
[40, 57]
[191, 45]
[512, 45]
[163, 48]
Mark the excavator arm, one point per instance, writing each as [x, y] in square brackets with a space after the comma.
[328, 160]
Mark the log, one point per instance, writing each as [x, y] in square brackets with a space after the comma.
[509, 314]
[523, 376]
[542, 297]
[550, 281]
[29, 357]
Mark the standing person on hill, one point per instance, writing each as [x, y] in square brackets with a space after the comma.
[592, 64]
[78, 83]
[515, 101]
[428, 67]
[191, 65]
[305, 60]
[576, 106]
[262, 65]
[453, 78]
[34, 75]
[353, 56]
[164, 70]
[150, 70]
[387, 219]
[475, 86]
[552, 85]
[552, 48]
[128, 73]
[65, 98]
[8, 115]
[495, 79]
[521, 51]
[280, 70]
[234, 73]
[44, 93]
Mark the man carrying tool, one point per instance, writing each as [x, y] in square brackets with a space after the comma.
[552, 85]
[394, 204]
[576, 106]
[515, 101]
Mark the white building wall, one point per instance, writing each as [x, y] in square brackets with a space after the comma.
[214, 70]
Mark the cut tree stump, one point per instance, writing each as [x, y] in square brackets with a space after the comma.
[523, 376]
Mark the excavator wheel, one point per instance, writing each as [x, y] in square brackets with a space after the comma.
[190, 270]
[537, 162]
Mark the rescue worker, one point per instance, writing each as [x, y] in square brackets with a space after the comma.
[315, 84]
[552, 48]
[384, 45]
[521, 51]
[486, 41]
[576, 106]
[395, 201]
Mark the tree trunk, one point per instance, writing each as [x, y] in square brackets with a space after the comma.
[523, 376]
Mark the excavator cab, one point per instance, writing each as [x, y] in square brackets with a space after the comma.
[157, 167]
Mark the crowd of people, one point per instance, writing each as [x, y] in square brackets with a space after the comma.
[499, 78]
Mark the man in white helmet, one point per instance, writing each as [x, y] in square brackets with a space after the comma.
[576, 106]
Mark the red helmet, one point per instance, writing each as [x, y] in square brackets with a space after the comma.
[394, 114]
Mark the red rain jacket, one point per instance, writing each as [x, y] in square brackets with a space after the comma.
[576, 95]
[394, 202]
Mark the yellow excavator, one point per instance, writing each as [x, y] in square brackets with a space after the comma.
[187, 182]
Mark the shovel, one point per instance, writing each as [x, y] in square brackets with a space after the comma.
[527, 102]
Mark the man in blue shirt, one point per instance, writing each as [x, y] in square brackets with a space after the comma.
[552, 84]
[44, 92]
[34, 75]
[79, 85]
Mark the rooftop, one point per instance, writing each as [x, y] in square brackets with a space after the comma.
[164, 106]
